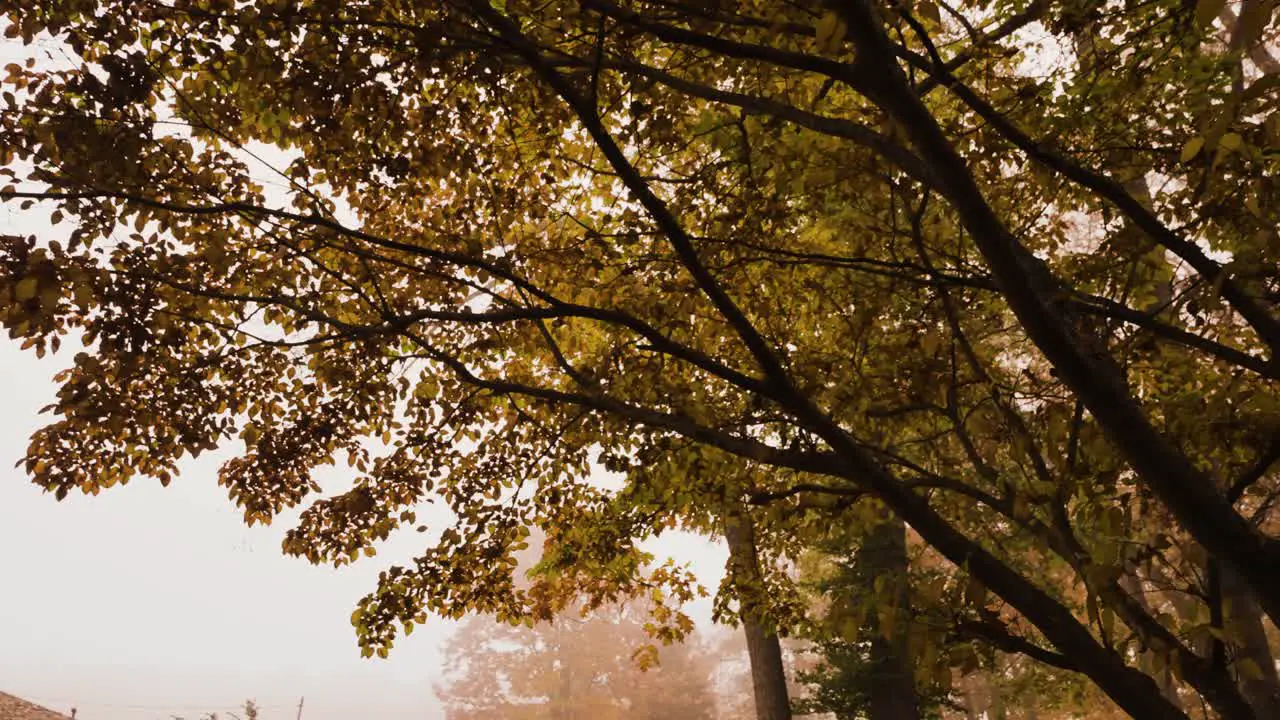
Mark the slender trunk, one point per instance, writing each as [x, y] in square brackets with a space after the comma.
[997, 711]
[562, 699]
[1255, 665]
[1131, 583]
[768, 678]
[973, 694]
[882, 559]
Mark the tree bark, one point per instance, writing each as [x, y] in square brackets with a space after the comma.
[882, 558]
[768, 678]
[1131, 583]
[562, 702]
[1244, 618]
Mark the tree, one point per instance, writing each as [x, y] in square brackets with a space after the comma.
[800, 256]
[867, 652]
[249, 710]
[572, 667]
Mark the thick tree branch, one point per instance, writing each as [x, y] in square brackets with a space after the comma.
[1086, 367]
[998, 635]
[760, 349]
[1262, 319]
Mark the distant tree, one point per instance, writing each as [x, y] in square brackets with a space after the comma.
[248, 711]
[574, 668]
[866, 634]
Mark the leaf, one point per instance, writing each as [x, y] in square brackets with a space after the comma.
[1208, 10]
[1249, 669]
[1252, 205]
[1191, 149]
[1220, 280]
[26, 289]
[975, 593]
[928, 10]
[1231, 141]
[830, 31]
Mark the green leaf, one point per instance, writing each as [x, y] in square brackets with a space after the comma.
[1231, 141]
[1191, 149]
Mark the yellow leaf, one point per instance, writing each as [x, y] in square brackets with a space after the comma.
[849, 629]
[26, 289]
[1249, 669]
[251, 434]
[49, 295]
[827, 28]
[1191, 149]
[1207, 10]
[929, 11]
[930, 342]
[1231, 141]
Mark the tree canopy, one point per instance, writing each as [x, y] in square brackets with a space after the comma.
[1005, 269]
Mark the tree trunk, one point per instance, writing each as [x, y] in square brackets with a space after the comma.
[883, 558]
[562, 700]
[768, 679]
[1244, 617]
[1131, 583]
[973, 695]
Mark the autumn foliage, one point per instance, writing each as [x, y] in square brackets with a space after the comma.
[1002, 271]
